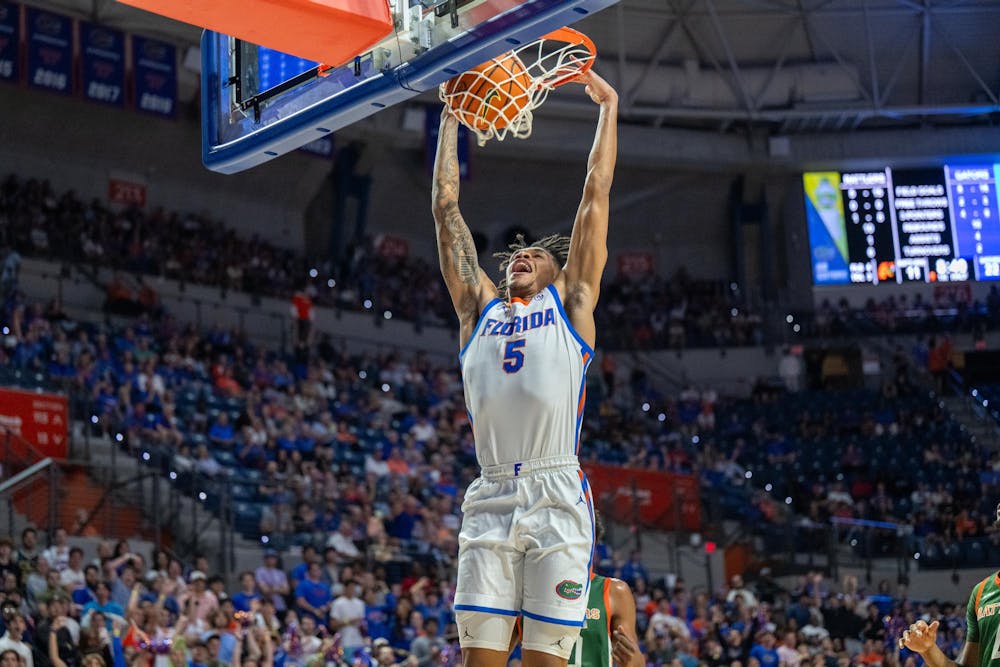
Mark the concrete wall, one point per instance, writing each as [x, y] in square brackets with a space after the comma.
[679, 216]
[729, 370]
[670, 196]
[267, 322]
[76, 145]
[928, 584]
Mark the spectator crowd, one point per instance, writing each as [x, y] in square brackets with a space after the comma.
[64, 606]
[336, 437]
[35, 221]
[637, 311]
[358, 460]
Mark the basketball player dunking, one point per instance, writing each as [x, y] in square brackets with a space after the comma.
[528, 529]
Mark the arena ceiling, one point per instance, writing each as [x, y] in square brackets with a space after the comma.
[787, 66]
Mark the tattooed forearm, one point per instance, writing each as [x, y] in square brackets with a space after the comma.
[463, 253]
[446, 171]
[459, 260]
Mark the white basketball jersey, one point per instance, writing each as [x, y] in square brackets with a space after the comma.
[524, 369]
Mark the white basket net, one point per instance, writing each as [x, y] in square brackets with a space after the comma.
[502, 93]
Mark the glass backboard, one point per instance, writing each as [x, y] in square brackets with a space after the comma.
[258, 104]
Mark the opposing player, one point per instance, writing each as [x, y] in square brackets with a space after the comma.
[983, 621]
[527, 530]
[608, 635]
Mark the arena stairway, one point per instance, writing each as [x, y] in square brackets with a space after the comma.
[78, 495]
[190, 529]
[983, 428]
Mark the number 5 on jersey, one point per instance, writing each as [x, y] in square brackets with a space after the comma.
[513, 357]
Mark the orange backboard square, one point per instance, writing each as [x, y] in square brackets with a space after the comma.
[327, 31]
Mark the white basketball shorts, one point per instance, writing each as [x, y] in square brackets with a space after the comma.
[525, 549]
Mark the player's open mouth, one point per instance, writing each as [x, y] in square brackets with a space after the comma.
[520, 266]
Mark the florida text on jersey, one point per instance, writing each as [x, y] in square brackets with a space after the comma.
[524, 369]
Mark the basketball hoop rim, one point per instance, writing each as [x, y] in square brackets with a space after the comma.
[555, 59]
[572, 36]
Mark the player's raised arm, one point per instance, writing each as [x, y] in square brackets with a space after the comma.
[469, 286]
[588, 251]
[624, 642]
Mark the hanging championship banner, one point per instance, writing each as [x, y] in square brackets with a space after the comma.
[154, 68]
[10, 41]
[50, 51]
[103, 52]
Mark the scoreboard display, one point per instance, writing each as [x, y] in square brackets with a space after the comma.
[939, 224]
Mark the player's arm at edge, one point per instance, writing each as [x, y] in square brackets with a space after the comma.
[469, 286]
[624, 641]
[968, 657]
[922, 635]
[588, 249]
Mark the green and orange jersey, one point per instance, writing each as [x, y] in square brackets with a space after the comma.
[983, 619]
[593, 647]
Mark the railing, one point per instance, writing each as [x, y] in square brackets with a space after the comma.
[978, 403]
[672, 377]
[33, 485]
[24, 481]
[929, 319]
[28, 479]
[792, 544]
[265, 320]
[179, 508]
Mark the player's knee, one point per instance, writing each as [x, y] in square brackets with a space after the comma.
[481, 630]
[483, 657]
[552, 642]
[539, 658]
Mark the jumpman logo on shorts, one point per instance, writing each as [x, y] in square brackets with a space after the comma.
[580, 500]
[558, 643]
[466, 635]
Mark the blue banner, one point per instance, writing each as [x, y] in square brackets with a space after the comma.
[155, 70]
[50, 51]
[10, 40]
[103, 51]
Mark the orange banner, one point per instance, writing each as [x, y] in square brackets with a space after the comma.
[663, 500]
[41, 419]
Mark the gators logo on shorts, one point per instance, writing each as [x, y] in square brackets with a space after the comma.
[570, 590]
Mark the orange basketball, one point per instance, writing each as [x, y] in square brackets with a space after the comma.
[491, 94]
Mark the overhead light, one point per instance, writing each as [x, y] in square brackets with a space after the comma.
[414, 118]
[192, 59]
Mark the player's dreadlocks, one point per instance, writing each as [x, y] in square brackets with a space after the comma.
[556, 245]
